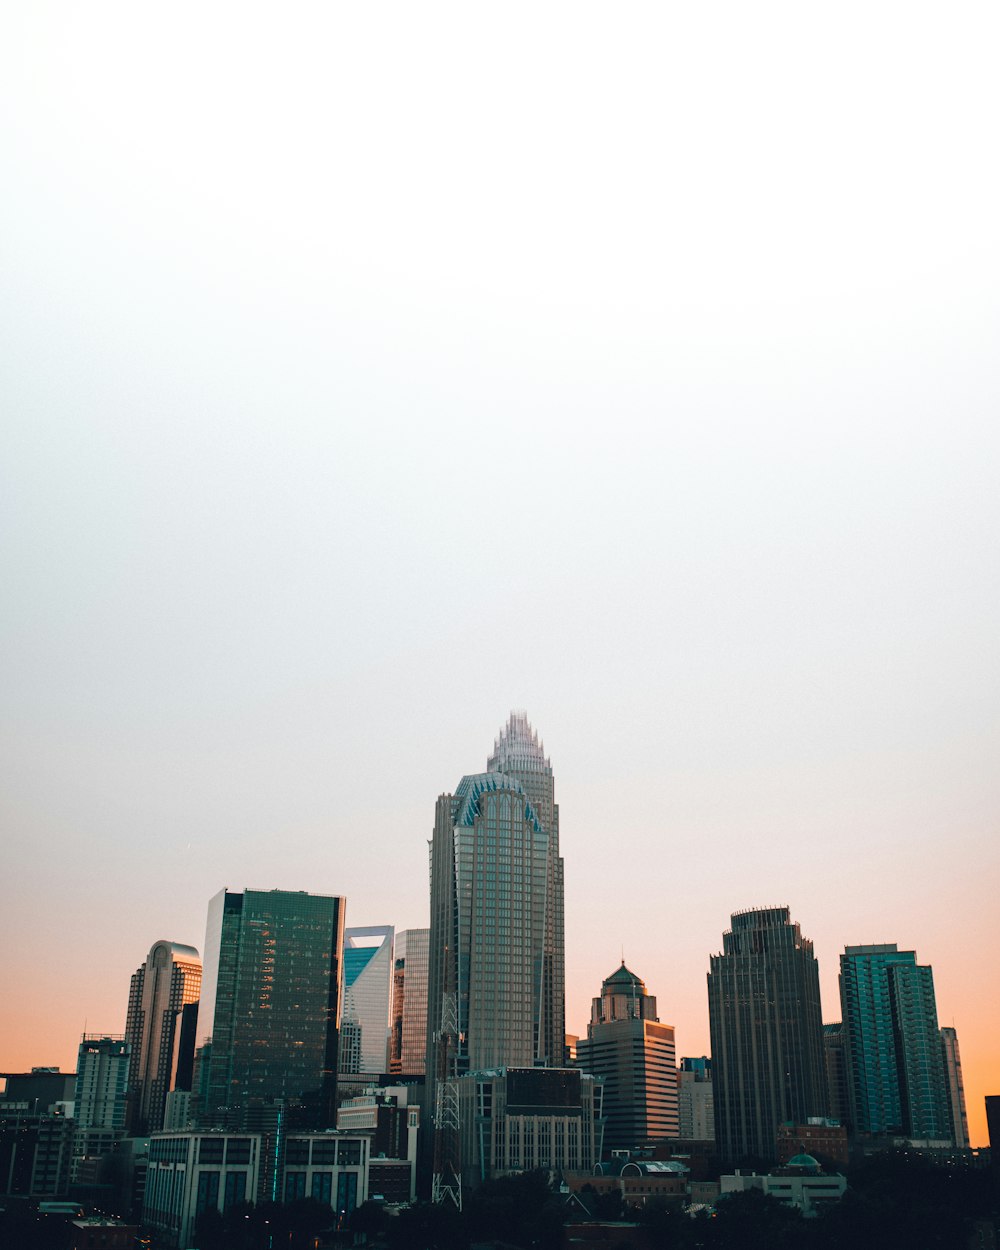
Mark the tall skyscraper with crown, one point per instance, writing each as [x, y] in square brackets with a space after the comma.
[496, 991]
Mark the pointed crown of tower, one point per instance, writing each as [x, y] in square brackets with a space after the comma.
[517, 748]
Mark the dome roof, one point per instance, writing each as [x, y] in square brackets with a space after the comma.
[624, 980]
[806, 1162]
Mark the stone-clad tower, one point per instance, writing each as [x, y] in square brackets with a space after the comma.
[766, 1025]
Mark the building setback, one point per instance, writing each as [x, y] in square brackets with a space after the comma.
[635, 1056]
[767, 1033]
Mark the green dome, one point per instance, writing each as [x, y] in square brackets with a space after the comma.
[625, 981]
[806, 1162]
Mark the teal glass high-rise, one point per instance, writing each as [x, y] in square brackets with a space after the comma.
[895, 1070]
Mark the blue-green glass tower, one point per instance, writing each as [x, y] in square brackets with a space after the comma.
[271, 995]
[895, 1071]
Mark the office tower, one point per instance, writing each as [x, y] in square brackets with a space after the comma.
[635, 1055]
[99, 1098]
[955, 1087]
[368, 969]
[836, 1072]
[695, 1103]
[160, 1030]
[271, 1000]
[495, 971]
[495, 977]
[895, 1069]
[767, 1033]
[408, 1049]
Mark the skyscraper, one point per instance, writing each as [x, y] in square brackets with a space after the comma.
[636, 1056]
[408, 1049]
[271, 1000]
[160, 1030]
[102, 1069]
[496, 965]
[955, 1086]
[895, 1067]
[368, 968]
[767, 1033]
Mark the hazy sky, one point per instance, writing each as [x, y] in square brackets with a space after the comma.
[368, 371]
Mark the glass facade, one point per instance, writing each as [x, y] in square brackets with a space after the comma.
[162, 1048]
[892, 1046]
[276, 978]
[408, 1050]
[496, 935]
[368, 972]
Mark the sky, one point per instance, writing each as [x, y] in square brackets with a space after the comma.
[370, 371]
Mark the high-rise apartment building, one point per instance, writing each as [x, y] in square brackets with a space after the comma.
[895, 1067]
[496, 966]
[99, 1099]
[408, 1044]
[636, 1056]
[160, 1029]
[767, 1033]
[955, 1087]
[270, 1005]
[368, 969]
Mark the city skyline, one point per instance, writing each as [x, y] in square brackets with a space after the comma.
[517, 732]
[366, 377]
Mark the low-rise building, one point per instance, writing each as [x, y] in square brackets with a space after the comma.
[189, 1173]
[801, 1183]
[520, 1119]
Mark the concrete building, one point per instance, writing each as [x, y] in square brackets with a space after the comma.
[663, 1183]
[408, 1043]
[496, 992]
[800, 1183]
[160, 1029]
[767, 1033]
[822, 1138]
[520, 1119]
[271, 1006]
[955, 1086]
[367, 996]
[635, 1056]
[36, 1151]
[189, 1173]
[695, 1102]
[894, 1060]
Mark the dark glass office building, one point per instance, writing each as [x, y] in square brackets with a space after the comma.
[766, 1025]
[270, 995]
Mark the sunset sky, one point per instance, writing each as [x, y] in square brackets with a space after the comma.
[369, 371]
